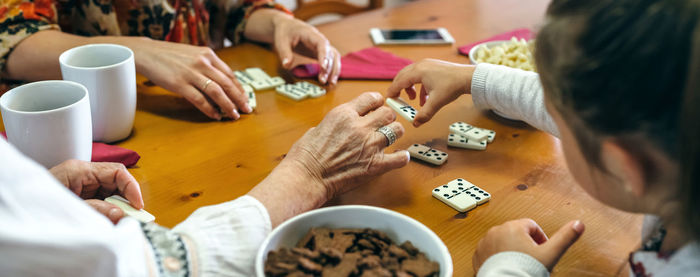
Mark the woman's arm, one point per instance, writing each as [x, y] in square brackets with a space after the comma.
[180, 68]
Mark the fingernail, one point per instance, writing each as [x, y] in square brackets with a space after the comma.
[578, 226]
[235, 114]
[217, 116]
[285, 61]
[113, 213]
[335, 80]
[325, 64]
[323, 78]
[247, 108]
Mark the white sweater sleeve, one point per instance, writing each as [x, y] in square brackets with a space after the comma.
[45, 230]
[512, 264]
[514, 93]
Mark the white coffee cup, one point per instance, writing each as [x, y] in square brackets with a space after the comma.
[49, 121]
[109, 73]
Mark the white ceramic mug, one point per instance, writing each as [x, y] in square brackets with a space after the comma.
[49, 121]
[109, 73]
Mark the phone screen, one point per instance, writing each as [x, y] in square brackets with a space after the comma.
[411, 35]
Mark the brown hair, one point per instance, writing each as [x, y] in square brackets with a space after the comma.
[622, 70]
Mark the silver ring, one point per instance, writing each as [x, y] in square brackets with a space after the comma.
[206, 83]
[389, 134]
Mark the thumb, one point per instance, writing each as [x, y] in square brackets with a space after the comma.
[284, 51]
[558, 243]
[111, 211]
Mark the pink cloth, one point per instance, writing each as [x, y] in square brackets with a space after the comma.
[110, 153]
[369, 63]
[518, 33]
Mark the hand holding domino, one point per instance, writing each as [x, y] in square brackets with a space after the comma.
[140, 215]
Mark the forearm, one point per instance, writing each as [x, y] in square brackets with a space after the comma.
[42, 50]
[262, 23]
[288, 191]
[515, 93]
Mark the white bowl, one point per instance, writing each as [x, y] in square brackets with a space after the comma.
[489, 44]
[397, 226]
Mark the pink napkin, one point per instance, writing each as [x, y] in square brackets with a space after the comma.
[518, 33]
[110, 153]
[369, 63]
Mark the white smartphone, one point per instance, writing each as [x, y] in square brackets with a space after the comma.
[411, 36]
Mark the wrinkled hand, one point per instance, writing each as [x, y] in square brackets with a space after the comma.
[185, 69]
[525, 236]
[442, 82]
[345, 149]
[298, 43]
[99, 180]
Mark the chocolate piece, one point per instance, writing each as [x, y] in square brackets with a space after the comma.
[331, 253]
[376, 272]
[366, 244]
[408, 246]
[346, 267]
[342, 242]
[420, 266]
[299, 274]
[306, 253]
[309, 266]
[398, 252]
[370, 262]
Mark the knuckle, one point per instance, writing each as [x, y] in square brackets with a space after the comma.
[199, 101]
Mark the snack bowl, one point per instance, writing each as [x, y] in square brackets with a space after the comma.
[489, 44]
[398, 227]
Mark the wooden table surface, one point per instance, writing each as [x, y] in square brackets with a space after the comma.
[189, 161]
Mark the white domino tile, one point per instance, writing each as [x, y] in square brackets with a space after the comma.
[469, 131]
[460, 141]
[402, 108]
[291, 91]
[140, 215]
[427, 154]
[461, 195]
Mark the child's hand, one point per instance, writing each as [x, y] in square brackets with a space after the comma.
[442, 81]
[525, 236]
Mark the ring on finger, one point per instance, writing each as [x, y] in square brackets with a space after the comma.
[388, 133]
[206, 83]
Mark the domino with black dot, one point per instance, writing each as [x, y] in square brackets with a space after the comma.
[427, 154]
[454, 140]
[461, 195]
[469, 131]
[455, 194]
[402, 108]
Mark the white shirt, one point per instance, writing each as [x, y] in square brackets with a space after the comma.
[45, 230]
[519, 94]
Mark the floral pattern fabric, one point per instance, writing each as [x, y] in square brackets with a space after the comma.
[196, 22]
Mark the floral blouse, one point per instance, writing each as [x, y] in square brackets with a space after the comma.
[196, 22]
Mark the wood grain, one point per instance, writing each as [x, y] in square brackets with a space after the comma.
[189, 161]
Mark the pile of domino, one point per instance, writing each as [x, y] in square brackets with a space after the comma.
[459, 194]
[256, 79]
[462, 135]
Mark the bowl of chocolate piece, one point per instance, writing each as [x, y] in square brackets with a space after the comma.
[353, 240]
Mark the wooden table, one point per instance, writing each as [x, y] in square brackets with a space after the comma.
[189, 161]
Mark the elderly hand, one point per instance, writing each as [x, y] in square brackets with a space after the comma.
[99, 180]
[525, 236]
[442, 82]
[297, 41]
[339, 154]
[186, 70]
[345, 149]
